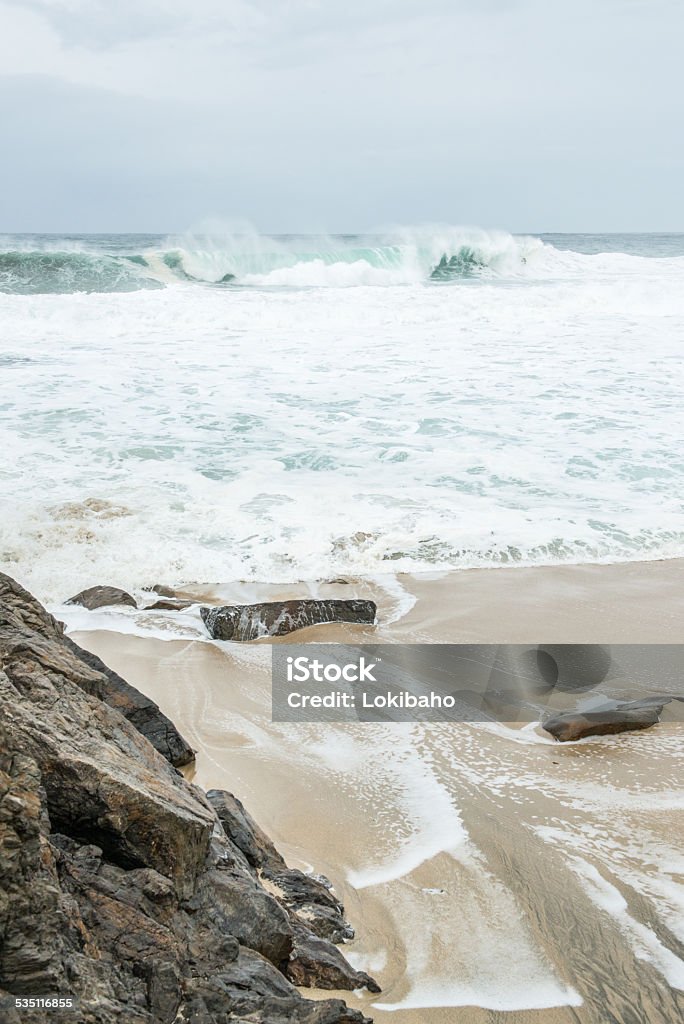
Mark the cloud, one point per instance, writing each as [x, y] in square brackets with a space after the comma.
[518, 113]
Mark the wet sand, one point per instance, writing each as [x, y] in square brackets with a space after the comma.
[490, 873]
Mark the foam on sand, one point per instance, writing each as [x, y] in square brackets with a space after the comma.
[643, 940]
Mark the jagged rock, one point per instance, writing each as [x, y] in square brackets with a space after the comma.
[243, 831]
[105, 783]
[248, 911]
[118, 883]
[29, 890]
[277, 618]
[613, 718]
[311, 899]
[316, 914]
[102, 597]
[316, 963]
[142, 712]
[31, 632]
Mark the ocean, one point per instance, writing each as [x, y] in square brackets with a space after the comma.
[211, 409]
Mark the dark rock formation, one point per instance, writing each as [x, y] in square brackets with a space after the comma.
[277, 618]
[102, 597]
[313, 961]
[613, 718]
[243, 831]
[119, 883]
[316, 962]
[27, 631]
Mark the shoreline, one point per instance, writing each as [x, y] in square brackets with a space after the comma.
[477, 830]
[620, 602]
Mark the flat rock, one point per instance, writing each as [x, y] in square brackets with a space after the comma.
[278, 618]
[102, 597]
[168, 604]
[613, 718]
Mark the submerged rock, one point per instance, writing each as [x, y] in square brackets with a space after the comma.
[166, 599]
[161, 589]
[615, 718]
[277, 618]
[168, 604]
[119, 883]
[102, 597]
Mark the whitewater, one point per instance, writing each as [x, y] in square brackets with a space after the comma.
[219, 408]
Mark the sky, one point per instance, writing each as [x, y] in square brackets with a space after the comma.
[341, 115]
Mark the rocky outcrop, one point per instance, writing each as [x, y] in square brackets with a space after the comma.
[120, 884]
[102, 597]
[277, 618]
[28, 633]
[613, 718]
[315, 913]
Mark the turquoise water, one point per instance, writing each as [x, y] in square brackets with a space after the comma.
[35, 264]
[336, 406]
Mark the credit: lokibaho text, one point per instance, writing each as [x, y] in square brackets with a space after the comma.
[343, 699]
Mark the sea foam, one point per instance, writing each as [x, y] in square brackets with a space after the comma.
[526, 411]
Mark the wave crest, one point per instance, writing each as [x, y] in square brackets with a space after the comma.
[53, 272]
[402, 257]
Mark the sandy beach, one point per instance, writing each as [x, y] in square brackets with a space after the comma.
[491, 874]
[340, 339]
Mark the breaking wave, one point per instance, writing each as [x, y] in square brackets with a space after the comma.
[45, 272]
[409, 257]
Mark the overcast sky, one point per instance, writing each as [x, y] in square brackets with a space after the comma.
[312, 115]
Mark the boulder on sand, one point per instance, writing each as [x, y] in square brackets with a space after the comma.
[102, 597]
[278, 618]
[609, 719]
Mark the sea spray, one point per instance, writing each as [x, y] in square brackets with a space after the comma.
[42, 265]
